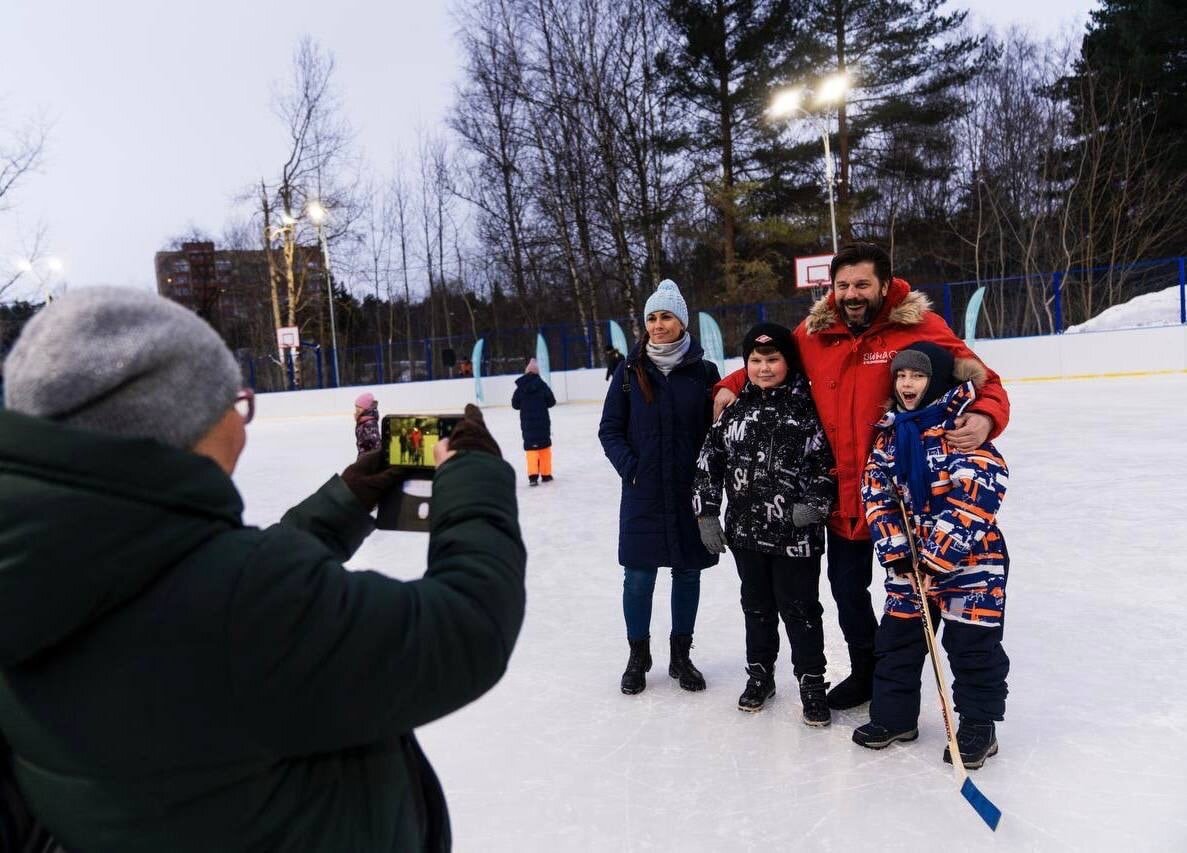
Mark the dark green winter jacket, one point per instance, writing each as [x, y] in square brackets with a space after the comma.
[171, 680]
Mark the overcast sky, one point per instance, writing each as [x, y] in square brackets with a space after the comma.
[161, 110]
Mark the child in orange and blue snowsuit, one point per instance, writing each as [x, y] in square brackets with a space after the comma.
[952, 499]
[533, 398]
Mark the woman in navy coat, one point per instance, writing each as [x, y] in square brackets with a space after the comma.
[657, 411]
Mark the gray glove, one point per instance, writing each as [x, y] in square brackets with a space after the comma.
[712, 536]
[803, 515]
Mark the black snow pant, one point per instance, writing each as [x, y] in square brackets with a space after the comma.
[774, 586]
[850, 573]
[975, 654]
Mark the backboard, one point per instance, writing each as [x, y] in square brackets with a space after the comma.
[812, 271]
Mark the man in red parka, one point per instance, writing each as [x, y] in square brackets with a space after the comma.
[846, 344]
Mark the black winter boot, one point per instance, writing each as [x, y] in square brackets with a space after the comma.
[533, 479]
[874, 736]
[547, 478]
[634, 680]
[977, 740]
[759, 687]
[812, 688]
[859, 686]
[681, 667]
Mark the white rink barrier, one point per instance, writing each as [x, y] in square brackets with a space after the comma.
[1110, 353]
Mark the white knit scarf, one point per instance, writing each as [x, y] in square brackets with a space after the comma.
[667, 356]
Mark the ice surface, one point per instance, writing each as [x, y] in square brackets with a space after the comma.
[1093, 750]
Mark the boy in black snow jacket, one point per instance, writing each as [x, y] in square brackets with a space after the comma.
[770, 451]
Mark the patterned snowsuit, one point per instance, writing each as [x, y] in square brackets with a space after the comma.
[366, 430]
[961, 547]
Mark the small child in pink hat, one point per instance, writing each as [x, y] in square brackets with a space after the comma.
[366, 423]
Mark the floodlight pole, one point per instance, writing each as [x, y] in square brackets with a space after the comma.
[828, 177]
[325, 255]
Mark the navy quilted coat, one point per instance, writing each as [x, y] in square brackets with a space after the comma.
[653, 447]
[534, 398]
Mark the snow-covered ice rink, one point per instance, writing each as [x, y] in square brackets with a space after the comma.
[1093, 749]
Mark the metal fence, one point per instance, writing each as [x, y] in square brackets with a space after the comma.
[1040, 304]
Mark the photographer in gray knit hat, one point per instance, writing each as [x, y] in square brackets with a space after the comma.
[173, 679]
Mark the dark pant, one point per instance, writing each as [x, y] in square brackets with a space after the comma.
[979, 667]
[774, 586]
[638, 586]
[850, 573]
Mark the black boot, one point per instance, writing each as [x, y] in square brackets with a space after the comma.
[812, 688]
[874, 736]
[547, 478]
[859, 686]
[681, 667]
[976, 739]
[634, 680]
[533, 479]
[759, 687]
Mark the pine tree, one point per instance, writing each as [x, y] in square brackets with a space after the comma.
[726, 58]
[907, 61]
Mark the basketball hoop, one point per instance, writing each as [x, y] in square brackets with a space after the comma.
[288, 337]
[813, 271]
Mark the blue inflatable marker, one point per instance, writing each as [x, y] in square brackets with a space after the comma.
[971, 312]
[711, 340]
[618, 338]
[476, 361]
[542, 358]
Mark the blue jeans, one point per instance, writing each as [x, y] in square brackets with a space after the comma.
[638, 586]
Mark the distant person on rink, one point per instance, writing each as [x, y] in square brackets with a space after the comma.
[173, 680]
[655, 417]
[366, 423]
[613, 359]
[952, 499]
[533, 398]
[846, 343]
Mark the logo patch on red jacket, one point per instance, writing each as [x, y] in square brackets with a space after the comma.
[884, 356]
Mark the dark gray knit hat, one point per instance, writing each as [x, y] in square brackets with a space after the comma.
[911, 359]
[122, 361]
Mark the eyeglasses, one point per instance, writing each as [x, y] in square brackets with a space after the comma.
[245, 405]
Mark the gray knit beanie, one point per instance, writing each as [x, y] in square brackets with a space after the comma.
[122, 361]
[667, 297]
[911, 359]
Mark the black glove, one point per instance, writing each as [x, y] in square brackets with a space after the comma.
[803, 515]
[370, 477]
[471, 434]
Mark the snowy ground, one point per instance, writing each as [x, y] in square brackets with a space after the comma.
[1093, 750]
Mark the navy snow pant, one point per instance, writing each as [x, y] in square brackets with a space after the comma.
[775, 587]
[975, 655]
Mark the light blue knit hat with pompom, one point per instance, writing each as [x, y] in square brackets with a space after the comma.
[667, 298]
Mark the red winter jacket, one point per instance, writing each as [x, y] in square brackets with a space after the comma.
[850, 376]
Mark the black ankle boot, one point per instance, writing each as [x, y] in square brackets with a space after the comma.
[681, 667]
[759, 687]
[977, 740]
[859, 686]
[634, 680]
[812, 688]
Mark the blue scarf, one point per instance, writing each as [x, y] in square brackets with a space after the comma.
[910, 464]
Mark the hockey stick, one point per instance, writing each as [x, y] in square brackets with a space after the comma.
[989, 813]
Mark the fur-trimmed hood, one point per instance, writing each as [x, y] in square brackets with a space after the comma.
[902, 306]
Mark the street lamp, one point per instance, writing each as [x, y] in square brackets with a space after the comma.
[317, 214]
[790, 101]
